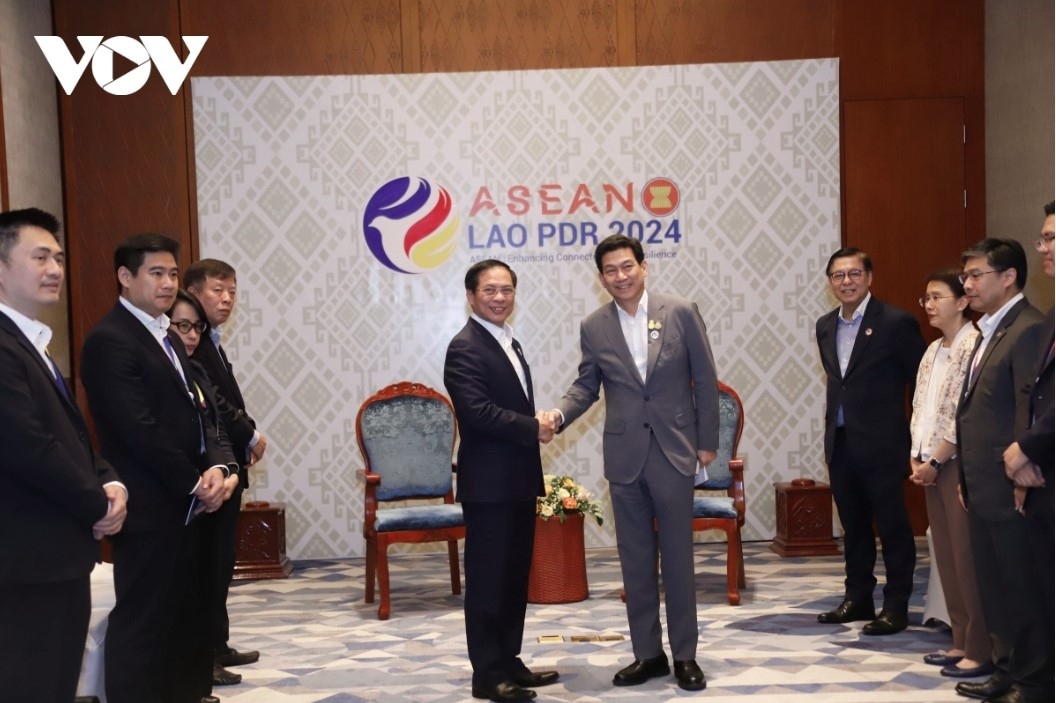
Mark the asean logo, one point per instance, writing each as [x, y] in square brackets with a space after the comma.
[410, 225]
[660, 197]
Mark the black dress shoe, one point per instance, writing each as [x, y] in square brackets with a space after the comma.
[1016, 695]
[229, 656]
[86, 699]
[689, 675]
[505, 692]
[848, 611]
[641, 671]
[223, 677]
[210, 699]
[535, 679]
[991, 688]
[887, 623]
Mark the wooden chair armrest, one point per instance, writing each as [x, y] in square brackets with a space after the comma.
[368, 478]
[737, 487]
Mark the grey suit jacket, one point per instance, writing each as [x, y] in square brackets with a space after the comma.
[678, 402]
[995, 409]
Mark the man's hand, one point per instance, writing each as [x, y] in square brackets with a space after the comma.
[1015, 460]
[116, 511]
[546, 432]
[706, 456]
[230, 484]
[1029, 476]
[256, 452]
[1019, 497]
[211, 489]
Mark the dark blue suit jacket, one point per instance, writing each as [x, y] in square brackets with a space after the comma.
[498, 453]
[884, 361]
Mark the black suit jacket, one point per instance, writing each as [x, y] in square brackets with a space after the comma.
[995, 409]
[498, 455]
[147, 423]
[239, 426]
[52, 478]
[1037, 442]
[884, 360]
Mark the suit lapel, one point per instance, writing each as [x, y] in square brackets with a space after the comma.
[827, 344]
[27, 347]
[657, 313]
[617, 342]
[150, 346]
[493, 344]
[527, 373]
[999, 334]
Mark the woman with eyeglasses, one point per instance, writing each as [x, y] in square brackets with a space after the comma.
[934, 464]
[187, 320]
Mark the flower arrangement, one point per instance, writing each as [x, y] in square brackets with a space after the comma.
[566, 497]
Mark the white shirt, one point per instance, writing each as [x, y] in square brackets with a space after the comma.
[987, 324]
[159, 328]
[636, 333]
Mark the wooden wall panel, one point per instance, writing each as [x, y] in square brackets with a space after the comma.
[906, 209]
[484, 35]
[717, 31]
[307, 37]
[900, 49]
[125, 158]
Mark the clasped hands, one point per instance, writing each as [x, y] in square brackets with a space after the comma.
[1022, 472]
[549, 421]
[214, 489]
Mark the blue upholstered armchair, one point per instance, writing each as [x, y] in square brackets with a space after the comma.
[725, 473]
[406, 434]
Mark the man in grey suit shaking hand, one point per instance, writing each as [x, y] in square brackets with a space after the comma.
[650, 353]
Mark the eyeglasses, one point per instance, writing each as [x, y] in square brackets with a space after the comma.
[185, 326]
[933, 298]
[974, 275]
[853, 274]
[489, 292]
[1044, 242]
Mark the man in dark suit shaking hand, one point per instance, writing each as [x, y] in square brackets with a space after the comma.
[499, 478]
[59, 496]
[870, 352]
[651, 354]
[176, 460]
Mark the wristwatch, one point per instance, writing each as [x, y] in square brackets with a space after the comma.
[935, 463]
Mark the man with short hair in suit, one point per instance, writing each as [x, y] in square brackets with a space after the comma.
[176, 461]
[995, 408]
[1029, 464]
[499, 478]
[650, 353]
[870, 352]
[214, 284]
[59, 496]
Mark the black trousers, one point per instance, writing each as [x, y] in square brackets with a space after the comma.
[866, 493]
[43, 628]
[498, 557]
[1011, 601]
[218, 555]
[157, 637]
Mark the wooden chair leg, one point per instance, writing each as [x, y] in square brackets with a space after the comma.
[383, 578]
[452, 557]
[368, 596]
[733, 565]
[740, 558]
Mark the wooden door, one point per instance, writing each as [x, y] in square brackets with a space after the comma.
[904, 202]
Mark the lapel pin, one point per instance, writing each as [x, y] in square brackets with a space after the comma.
[868, 331]
[654, 335]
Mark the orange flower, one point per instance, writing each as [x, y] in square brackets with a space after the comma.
[570, 503]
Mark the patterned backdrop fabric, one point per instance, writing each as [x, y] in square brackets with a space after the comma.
[351, 207]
